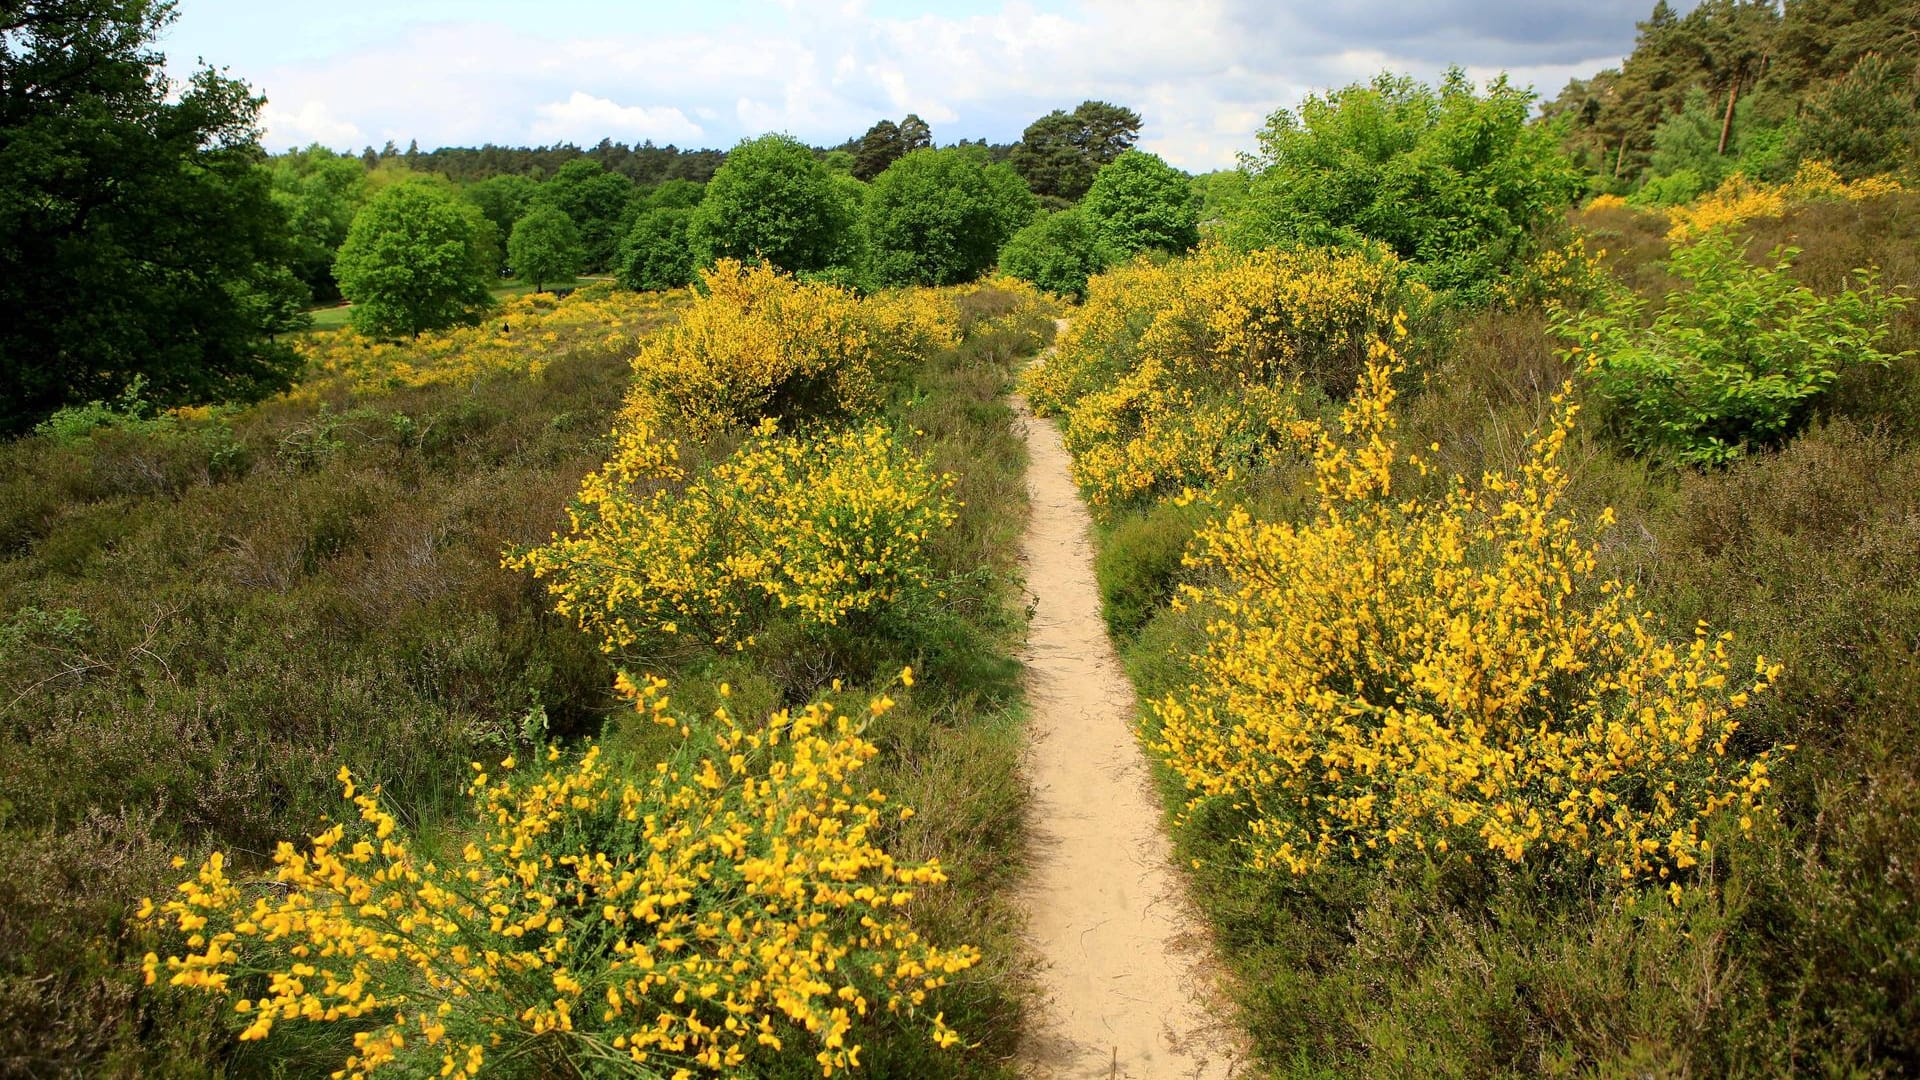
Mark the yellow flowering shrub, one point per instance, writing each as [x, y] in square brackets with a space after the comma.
[1181, 374]
[525, 335]
[911, 322]
[756, 342]
[1740, 199]
[1557, 276]
[728, 904]
[820, 525]
[1449, 674]
[1608, 201]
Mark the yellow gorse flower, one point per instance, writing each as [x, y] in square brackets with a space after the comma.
[1182, 374]
[525, 335]
[1450, 675]
[1739, 198]
[754, 342]
[820, 525]
[731, 902]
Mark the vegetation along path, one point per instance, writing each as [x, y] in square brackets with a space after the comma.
[1124, 958]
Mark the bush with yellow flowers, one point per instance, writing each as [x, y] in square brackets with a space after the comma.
[818, 525]
[755, 342]
[524, 335]
[1184, 373]
[1739, 198]
[1561, 275]
[729, 904]
[1450, 675]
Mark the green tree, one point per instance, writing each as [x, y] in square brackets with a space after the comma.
[318, 191]
[774, 200]
[545, 247]
[877, 149]
[138, 233]
[1455, 182]
[675, 195]
[655, 254]
[596, 200]
[887, 142]
[1060, 153]
[1141, 202]
[938, 217]
[1058, 252]
[410, 262]
[1865, 122]
[503, 199]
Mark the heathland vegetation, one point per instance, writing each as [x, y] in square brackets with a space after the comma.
[1507, 518]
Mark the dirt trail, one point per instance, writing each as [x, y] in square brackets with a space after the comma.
[1124, 957]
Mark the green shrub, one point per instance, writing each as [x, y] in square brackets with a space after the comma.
[1058, 252]
[1735, 359]
[1140, 203]
[1454, 181]
[937, 217]
[1139, 564]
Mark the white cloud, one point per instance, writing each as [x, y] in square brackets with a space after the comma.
[1204, 74]
[586, 119]
[312, 122]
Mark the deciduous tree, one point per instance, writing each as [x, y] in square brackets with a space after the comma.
[655, 254]
[938, 217]
[1141, 202]
[774, 200]
[410, 262]
[545, 247]
[138, 234]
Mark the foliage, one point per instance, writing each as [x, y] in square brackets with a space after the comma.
[138, 234]
[1139, 202]
[595, 200]
[1687, 144]
[545, 247]
[655, 254]
[318, 191]
[826, 526]
[938, 217]
[1057, 251]
[675, 195]
[1192, 372]
[563, 935]
[523, 337]
[260, 595]
[502, 199]
[757, 343]
[1741, 199]
[1865, 122]
[411, 263]
[887, 142]
[1735, 359]
[1455, 182]
[1060, 153]
[1768, 61]
[1450, 675]
[773, 200]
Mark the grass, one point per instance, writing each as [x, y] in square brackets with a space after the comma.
[201, 621]
[337, 316]
[1805, 957]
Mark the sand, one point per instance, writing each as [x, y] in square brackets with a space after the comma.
[1124, 959]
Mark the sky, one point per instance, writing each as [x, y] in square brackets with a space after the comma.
[1203, 74]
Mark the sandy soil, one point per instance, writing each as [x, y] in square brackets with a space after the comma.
[1124, 959]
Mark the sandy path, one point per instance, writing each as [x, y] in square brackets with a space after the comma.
[1124, 958]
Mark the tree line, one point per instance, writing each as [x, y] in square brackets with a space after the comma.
[1750, 86]
[145, 233]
